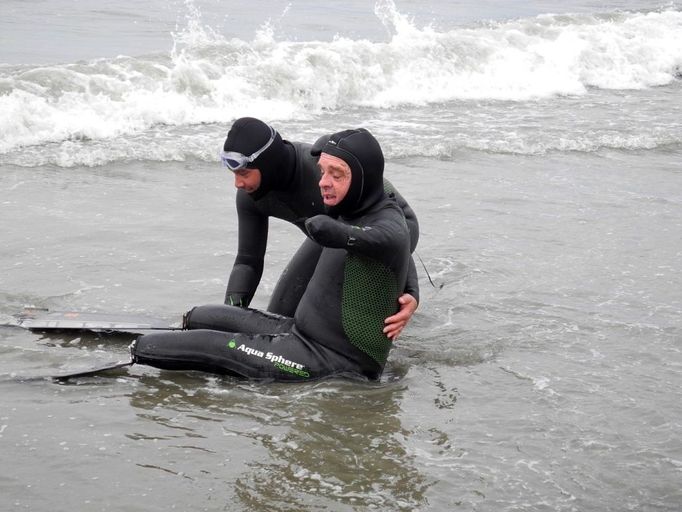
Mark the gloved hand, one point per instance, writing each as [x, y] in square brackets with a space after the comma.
[330, 232]
[317, 226]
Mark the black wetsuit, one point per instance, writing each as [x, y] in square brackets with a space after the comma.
[338, 325]
[295, 198]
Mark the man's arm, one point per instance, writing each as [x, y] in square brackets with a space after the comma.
[412, 285]
[371, 241]
[408, 303]
[410, 216]
[252, 242]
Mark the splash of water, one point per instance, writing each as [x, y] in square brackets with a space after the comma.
[207, 78]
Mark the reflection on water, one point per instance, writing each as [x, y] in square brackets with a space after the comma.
[342, 446]
[314, 446]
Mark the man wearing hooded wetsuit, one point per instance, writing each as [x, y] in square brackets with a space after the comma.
[338, 325]
[288, 189]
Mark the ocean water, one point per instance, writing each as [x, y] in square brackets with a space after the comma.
[540, 145]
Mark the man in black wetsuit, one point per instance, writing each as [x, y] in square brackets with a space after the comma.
[337, 329]
[278, 178]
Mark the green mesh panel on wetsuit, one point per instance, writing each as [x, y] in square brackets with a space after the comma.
[370, 294]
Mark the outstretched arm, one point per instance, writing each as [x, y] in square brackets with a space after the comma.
[248, 265]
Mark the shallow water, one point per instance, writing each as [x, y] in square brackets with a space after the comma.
[542, 370]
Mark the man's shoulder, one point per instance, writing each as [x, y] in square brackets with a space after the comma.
[247, 203]
[303, 156]
[389, 207]
[388, 214]
[302, 146]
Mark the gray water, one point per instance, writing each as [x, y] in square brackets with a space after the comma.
[542, 370]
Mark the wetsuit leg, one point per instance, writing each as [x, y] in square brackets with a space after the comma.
[294, 279]
[280, 357]
[219, 317]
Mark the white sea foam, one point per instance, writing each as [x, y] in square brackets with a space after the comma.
[207, 78]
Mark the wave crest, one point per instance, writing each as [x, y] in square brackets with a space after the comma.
[207, 78]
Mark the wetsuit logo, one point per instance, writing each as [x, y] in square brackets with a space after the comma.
[278, 362]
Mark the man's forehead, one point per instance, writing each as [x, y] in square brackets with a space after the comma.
[334, 162]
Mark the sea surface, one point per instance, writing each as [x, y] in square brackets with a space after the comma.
[540, 144]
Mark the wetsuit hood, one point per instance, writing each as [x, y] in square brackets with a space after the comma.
[276, 164]
[361, 151]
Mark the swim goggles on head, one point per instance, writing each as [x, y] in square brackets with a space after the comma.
[235, 161]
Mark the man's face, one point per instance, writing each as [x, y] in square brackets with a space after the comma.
[335, 177]
[247, 179]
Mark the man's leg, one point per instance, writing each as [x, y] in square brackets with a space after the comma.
[279, 357]
[294, 279]
[220, 317]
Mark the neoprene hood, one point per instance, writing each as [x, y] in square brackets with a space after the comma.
[361, 151]
[246, 136]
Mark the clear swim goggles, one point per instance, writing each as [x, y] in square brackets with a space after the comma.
[235, 161]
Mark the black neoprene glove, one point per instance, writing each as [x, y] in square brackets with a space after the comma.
[326, 231]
